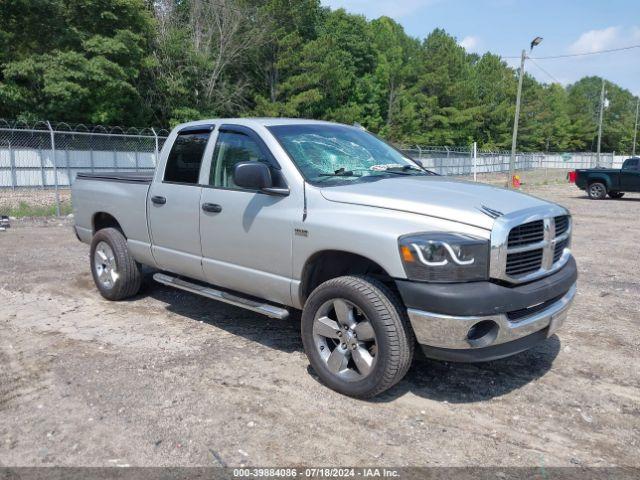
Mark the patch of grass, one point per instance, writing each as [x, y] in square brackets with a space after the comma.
[26, 210]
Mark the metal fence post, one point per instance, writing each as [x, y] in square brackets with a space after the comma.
[115, 157]
[43, 175]
[12, 162]
[55, 167]
[66, 157]
[475, 161]
[155, 135]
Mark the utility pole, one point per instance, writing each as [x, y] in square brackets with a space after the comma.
[514, 138]
[600, 123]
[635, 130]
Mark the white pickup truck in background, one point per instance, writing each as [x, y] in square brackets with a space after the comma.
[276, 215]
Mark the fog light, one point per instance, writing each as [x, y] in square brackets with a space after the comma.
[482, 334]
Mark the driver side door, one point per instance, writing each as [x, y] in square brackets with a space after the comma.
[246, 235]
[630, 175]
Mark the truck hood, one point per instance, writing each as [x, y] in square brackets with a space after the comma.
[471, 203]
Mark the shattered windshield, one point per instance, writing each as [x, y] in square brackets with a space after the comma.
[329, 154]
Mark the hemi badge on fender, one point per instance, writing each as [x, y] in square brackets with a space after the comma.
[301, 232]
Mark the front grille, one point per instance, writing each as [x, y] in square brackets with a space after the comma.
[558, 249]
[527, 244]
[562, 224]
[522, 263]
[526, 233]
[522, 252]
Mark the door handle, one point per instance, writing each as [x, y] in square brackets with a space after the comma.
[158, 200]
[211, 207]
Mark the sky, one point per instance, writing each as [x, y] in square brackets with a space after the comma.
[506, 27]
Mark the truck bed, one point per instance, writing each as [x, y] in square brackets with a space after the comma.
[128, 177]
[114, 197]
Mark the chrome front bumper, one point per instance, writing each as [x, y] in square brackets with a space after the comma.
[451, 332]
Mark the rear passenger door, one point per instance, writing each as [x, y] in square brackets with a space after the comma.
[173, 204]
[630, 175]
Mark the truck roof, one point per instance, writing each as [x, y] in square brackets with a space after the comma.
[256, 121]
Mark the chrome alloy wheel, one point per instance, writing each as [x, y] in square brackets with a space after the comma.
[345, 339]
[597, 190]
[105, 264]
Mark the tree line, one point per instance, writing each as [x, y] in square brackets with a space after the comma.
[142, 62]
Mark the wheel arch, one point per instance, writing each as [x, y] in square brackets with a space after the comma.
[327, 264]
[101, 220]
[600, 179]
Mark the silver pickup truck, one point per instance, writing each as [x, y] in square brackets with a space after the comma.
[378, 253]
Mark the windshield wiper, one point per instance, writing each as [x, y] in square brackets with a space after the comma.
[341, 172]
[415, 168]
[405, 170]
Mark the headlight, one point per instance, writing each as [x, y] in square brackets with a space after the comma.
[444, 257]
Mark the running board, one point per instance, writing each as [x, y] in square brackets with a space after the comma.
[255, 306]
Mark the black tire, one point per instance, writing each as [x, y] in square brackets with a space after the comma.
[597, 191]
[129, 275]
[616, 194]
[394, 338]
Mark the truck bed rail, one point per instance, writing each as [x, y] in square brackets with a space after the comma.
[127, 177]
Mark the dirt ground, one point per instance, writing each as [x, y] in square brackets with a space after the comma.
[170, 379]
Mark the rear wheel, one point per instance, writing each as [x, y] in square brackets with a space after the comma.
[356, 335]
[597, 191]
[616, 194]
[116, 274]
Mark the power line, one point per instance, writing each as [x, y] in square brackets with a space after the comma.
[547, 73]
[582, 54]
[589, 53]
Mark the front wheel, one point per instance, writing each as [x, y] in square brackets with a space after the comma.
[616, 194]
[356, 335]
[597, 191]
[115, 272]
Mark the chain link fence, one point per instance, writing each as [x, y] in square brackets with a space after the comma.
[493, 166]
[39, 162]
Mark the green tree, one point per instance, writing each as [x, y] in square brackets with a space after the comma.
[331, 76]
[618, 119]
[166, 61]
[494, 89]
[81, 62]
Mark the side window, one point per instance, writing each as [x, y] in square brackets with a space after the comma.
[232, 148]
[185, 158]
[631, 164]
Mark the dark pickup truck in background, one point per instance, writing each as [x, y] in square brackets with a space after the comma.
[600, 182]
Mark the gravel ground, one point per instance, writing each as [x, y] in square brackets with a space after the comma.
[33, 197]
[170, 379]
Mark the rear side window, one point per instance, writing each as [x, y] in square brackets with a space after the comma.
[631, 164]
[185, 158]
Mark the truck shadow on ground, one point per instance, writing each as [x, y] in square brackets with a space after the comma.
[623, 199]
[283, 335]
[474, 382]
[432, 379]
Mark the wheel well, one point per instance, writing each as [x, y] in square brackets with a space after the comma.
[598, 180]
[105, 220]
[328, 264]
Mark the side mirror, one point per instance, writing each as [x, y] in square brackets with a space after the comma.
[256, 176]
